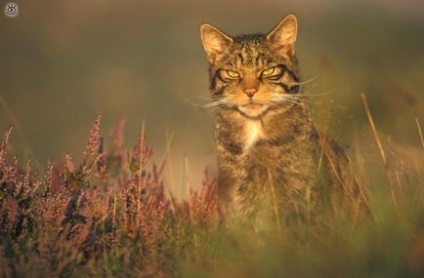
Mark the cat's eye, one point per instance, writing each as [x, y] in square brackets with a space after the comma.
[269, 72]
[232, 74]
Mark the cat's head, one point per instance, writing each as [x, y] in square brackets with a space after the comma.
[253, 73]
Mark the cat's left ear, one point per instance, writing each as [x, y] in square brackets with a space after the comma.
[215, 42]
[283, 36]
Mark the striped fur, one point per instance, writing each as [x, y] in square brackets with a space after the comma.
[267, 144]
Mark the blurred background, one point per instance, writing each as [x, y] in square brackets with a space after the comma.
[63, 61]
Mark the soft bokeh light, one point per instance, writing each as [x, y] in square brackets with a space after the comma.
[63, 61]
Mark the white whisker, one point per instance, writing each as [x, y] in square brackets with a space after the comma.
[294, 99]
[208, 104]
[308, 81]
[318, 94]
[215, 103]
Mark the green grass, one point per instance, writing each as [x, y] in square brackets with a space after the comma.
[113, 215]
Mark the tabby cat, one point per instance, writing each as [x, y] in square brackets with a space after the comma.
[269, 151]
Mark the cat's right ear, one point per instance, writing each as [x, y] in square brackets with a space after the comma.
[283, 36]
[215, 42]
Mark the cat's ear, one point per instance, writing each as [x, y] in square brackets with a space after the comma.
[283, 36]
[215, 42]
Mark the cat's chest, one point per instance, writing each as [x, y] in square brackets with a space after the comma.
[252, 132]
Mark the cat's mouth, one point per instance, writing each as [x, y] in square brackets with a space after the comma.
[253, 110]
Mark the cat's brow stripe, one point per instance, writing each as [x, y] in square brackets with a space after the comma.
[284, 86]
[219, 76]
[241, 59]
[294, 89]
[289, 71]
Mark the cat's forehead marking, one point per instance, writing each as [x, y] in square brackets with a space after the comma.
[249, 55]
[250, 51]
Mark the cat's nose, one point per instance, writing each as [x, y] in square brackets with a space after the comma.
[250, 92]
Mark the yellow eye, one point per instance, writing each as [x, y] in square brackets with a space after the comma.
[269, 72]
[232, 74]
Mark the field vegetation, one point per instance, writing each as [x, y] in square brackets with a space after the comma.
[113, 215]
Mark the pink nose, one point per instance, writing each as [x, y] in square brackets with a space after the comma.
[250, 92]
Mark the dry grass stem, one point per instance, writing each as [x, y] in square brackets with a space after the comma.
[420, 132]
[374, 129]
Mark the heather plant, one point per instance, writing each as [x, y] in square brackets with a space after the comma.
[110, 211]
